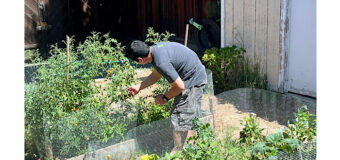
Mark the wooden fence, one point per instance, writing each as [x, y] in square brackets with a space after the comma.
[259, 26]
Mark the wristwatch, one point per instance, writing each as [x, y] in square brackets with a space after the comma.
[166, 99]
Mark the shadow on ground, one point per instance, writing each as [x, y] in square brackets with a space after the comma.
[271, 106]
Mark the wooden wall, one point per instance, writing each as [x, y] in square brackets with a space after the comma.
[173, 15]
[56, 16]
[31, 22]
[125, 20]
[255, 25]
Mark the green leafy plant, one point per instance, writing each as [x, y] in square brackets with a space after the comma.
[232, 70]
[65, 114]
[153, 37]
[235, 149]
[32, 56]
[203, 145]
[149, 111]
[251, 131]
[304, 125]
[289, 141]
[150, 157]
[274, 143]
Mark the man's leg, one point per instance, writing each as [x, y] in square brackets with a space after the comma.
[177, 137]
[188, 134]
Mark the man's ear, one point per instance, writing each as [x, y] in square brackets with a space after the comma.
[140, 60]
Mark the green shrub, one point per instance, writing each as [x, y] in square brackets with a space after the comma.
[251, 131]
[303, 127]
[64, 116]
[150, 111]
[153, 37]
[232, 70]
[203, 145]
[288, 141]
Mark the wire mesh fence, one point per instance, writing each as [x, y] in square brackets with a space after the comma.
[306, 151]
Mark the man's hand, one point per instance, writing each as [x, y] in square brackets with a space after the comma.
[133, 90]
[159, 99]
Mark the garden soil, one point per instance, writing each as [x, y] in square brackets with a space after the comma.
[226, 116]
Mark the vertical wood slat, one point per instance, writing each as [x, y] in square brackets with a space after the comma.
[172, 16]
[143, 14]
[228, 22]
[189, 14]
[238, 22]
[148, 5]
[249, 28]
[180, 17]
[273, 56]
[195, 9]
[188, 10]
[261, 34]
[283, 82]
[165, 15]
[155, 14]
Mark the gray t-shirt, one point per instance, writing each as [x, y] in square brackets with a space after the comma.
[172, 59]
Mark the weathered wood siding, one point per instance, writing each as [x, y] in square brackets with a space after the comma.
[255, 25]
[31, 22]
[55, 15]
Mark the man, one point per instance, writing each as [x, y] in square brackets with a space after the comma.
[184, 71]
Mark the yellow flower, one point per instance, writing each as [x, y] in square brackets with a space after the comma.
[108, 157]
[145, 157]
[74, 109]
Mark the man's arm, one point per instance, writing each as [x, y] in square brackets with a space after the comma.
[152, 79]
[176, 88]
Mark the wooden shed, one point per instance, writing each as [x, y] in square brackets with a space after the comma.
[278, 34]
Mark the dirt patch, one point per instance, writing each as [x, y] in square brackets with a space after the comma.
[227, 118]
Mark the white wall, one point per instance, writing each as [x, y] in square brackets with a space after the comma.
[302, 47]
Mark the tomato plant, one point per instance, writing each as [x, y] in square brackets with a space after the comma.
[66, 115]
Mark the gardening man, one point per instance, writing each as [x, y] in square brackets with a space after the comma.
[184, 71]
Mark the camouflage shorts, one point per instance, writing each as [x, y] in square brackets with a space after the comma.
[186, 107]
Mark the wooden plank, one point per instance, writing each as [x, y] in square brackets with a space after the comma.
[165, 15]
[229, 22]
[223, 23]
[142, 15]
[180, 18]
[148, 6]
[283, 84]
[195, 9]
[155, 14]
[273, 56]
[172, 17]
[249, 28]
[205, 8]
[261, 34]
[189, 14]
[188, 10]
[238, 22]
